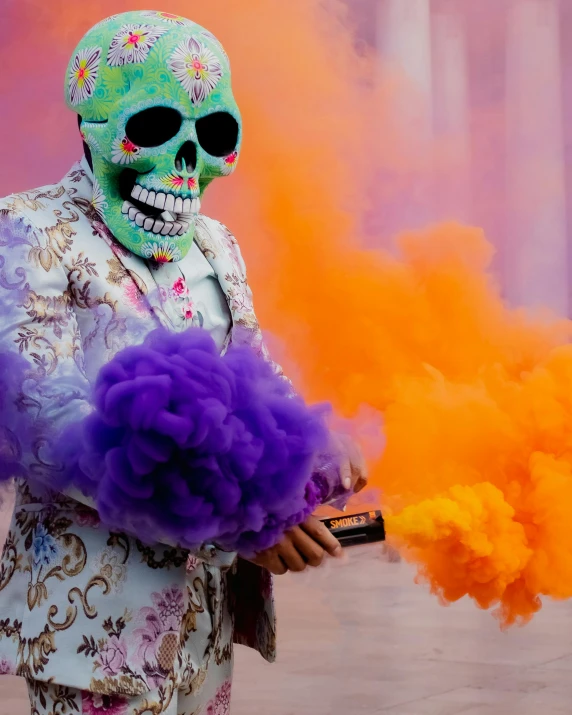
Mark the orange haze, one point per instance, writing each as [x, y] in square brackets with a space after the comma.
[476, 397]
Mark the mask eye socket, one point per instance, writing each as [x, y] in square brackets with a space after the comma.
[218, 133]
[153, 127]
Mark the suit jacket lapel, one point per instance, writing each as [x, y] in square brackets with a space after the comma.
[218, 246]
[79, 185]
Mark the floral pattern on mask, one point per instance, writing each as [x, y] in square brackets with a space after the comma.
[230, 162]
[162, 251]
[150, 60]
[132, 44]
[178, 183]
[197, 69]
[217, 42]
[90, 140]
[99, 202]
[83, 74]
[111, 18]
[168, 17]
[125, 152]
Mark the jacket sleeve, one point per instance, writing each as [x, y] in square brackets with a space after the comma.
[39, 328]
[38, 325]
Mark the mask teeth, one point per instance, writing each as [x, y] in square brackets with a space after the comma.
[168, 202]
[166, 225]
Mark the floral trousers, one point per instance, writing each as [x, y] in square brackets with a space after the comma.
[211, 698]
[97, 622]
[207, 692]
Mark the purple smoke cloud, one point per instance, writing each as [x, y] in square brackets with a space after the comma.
[187, 446]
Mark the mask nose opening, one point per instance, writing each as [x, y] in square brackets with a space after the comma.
[186, 159]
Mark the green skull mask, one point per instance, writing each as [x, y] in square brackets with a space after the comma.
[157, 112]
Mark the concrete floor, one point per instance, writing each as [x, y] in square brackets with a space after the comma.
[359, 637]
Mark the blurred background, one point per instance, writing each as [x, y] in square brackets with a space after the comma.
[493, 95]
[481, 89]
[492, 80]
[471, 120]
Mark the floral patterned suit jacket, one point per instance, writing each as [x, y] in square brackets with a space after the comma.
[81, 606]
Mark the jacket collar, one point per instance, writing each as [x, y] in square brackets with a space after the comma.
[215, 246]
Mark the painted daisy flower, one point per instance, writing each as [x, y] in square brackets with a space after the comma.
[230, 162]
[176, 182]
[90, 141]
[132, 44]
[83, 74]
[197, 68]
[124, 152]
[98, 200]
[162, 252]
[168, 17]
[173, 181]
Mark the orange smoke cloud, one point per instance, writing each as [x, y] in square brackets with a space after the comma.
[476, 403]
[476, 397]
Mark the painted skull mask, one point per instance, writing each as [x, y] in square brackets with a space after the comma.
[158, 116]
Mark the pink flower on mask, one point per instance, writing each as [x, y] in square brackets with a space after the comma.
[180, 288]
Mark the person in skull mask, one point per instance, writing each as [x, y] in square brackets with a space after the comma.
[96, 621]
